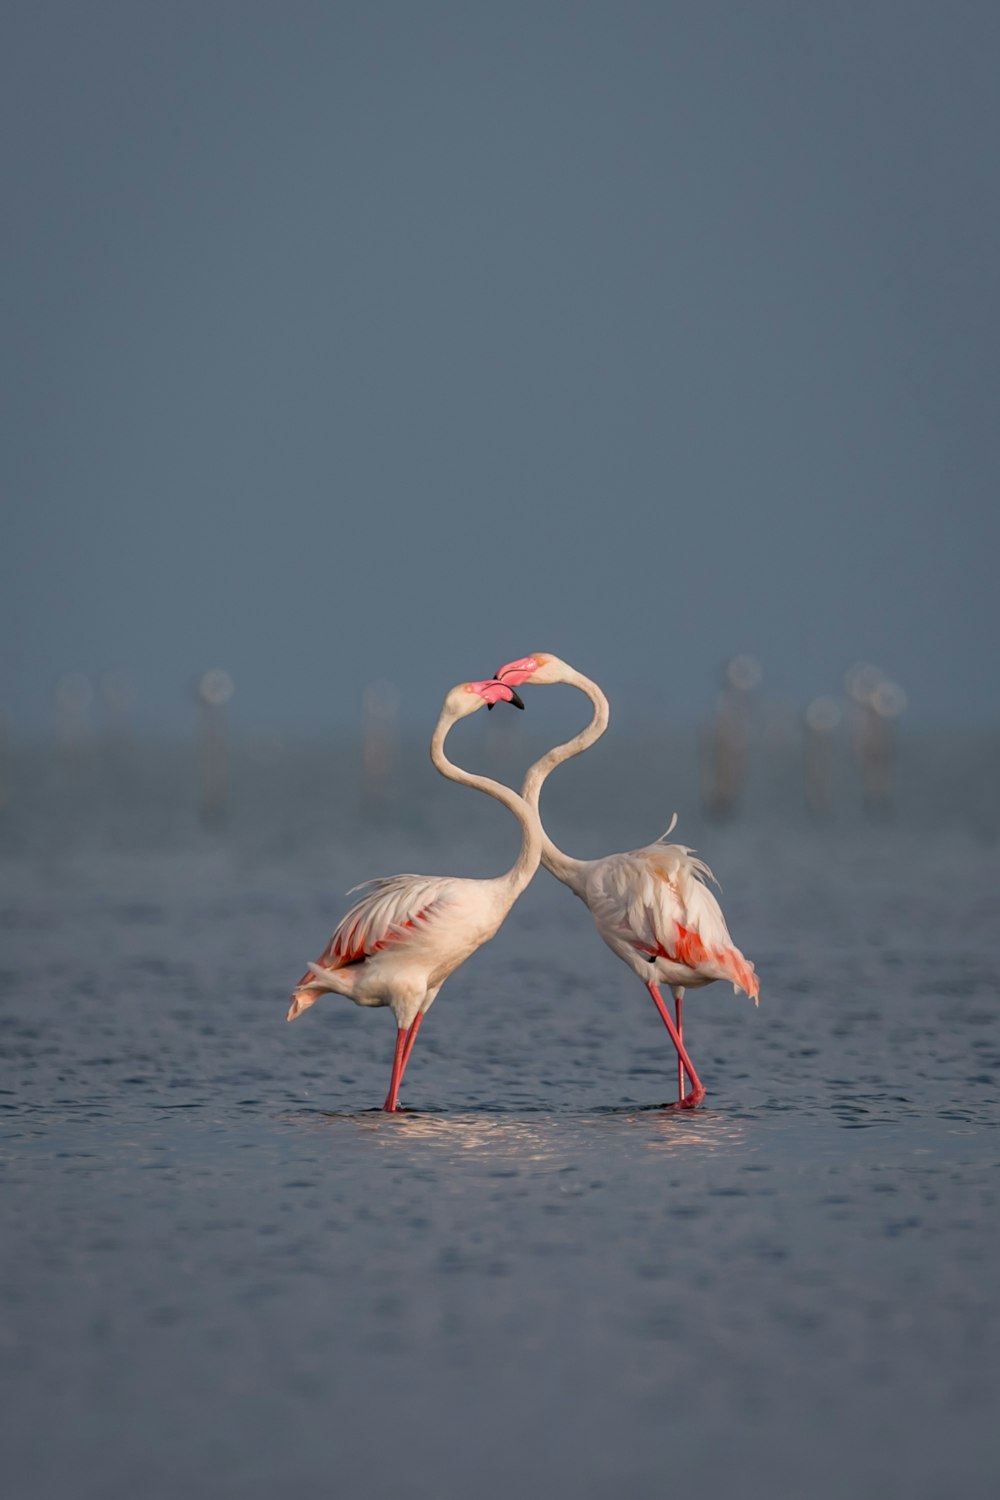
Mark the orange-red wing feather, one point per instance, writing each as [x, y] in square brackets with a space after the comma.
[690, 950]
[390, 913]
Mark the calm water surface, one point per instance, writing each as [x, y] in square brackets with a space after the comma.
[226, 1273]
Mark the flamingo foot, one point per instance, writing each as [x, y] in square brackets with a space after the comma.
[690, 1101]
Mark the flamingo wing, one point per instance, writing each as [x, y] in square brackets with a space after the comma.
[391, 912]
[657, 901]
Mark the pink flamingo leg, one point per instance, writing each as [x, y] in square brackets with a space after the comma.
[397, 1072]
[411, 1037]
[404, 1046]
[678, 1006]
[697, 1093]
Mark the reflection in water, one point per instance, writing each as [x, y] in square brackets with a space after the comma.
[554, 1140]
[491, 1138]
[672, 1132]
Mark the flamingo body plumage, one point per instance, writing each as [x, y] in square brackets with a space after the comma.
[654, 910]
[399, 943]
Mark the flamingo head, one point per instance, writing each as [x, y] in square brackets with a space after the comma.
[540, 669]
[470, 696]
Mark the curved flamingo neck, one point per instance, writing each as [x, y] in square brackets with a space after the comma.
[524, 867]
[562, 865]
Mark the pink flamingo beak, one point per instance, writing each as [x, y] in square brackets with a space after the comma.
[516, 672]
[494, 691]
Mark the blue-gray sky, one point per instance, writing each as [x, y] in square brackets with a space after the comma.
[353, 340]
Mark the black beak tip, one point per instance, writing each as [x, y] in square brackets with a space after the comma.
[515, 699]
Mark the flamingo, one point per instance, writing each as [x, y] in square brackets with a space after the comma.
[651, 906]
[398, 943]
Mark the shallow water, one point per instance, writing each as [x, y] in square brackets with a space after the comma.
[226, 1272]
